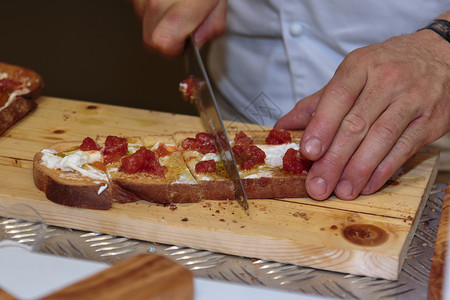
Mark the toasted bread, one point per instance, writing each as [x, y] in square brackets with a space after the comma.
[215, 185]
[70, 187]
[163, 169]
[270, 180]
[19, 87]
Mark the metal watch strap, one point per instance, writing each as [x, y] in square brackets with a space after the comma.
[441, 27]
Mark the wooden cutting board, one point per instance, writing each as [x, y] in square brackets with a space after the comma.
[368, 236]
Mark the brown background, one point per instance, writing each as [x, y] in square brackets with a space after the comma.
[90, 50]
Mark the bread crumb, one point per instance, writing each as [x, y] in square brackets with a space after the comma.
[301, 215]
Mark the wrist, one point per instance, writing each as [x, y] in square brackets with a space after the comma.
[440, 27]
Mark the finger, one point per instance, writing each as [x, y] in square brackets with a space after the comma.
[377, 143]
[213, 26]
[167, 24]
[301, 114]
[412, 139]
[139, 7]
[336, 101]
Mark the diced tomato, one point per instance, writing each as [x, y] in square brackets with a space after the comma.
[278, 136]
[190, 87]
[88, 144]
[203, 143]
[115, 148]
[162, 150]
[242, 139]
[295, 163]
[142, 161]
[206, 166]
[248, 156]
[8, 85]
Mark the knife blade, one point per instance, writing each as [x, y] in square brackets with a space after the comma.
[208, 109]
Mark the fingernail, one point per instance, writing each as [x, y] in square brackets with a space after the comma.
[313, 147]
[317, 186]
[344, 189]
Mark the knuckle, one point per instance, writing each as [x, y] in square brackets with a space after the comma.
[384, 131]
[354, 123]
[332, 160]
[341, 94]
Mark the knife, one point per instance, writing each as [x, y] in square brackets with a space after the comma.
[208, 109]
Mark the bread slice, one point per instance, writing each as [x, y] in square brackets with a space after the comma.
[79, 183]
[270, 180]
[19, 87]
[214, 185]
[181, 185]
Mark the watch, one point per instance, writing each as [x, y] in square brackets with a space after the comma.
[441, 27]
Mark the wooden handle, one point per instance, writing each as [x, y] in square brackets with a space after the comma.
[435, 283]
[146, 276]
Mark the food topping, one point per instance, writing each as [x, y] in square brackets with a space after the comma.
[142, 161]
[7, 91]
[295, 163]
[115, 148]
[278, 136]
[162, 150]
[8, 85]
[84, 162]
[203, 143]
[88, 144]
[190, 88]
[242, 139]
[248, 156]
[206, 166]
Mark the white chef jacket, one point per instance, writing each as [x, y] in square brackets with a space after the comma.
[276, 52]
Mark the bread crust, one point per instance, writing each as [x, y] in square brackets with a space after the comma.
[290, 186]
[70, 189]
[21, 105]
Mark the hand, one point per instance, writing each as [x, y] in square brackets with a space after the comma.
[168, 23]
[383, 104]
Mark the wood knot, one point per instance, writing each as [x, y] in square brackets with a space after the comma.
[365, 235]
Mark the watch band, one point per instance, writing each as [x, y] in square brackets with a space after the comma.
[441, 27]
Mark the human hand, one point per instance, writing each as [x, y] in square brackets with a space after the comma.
[168, 23]
[383, 104]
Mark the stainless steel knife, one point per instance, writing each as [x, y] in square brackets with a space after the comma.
[210, 115]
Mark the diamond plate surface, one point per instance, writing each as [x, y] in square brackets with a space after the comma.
[412, 283]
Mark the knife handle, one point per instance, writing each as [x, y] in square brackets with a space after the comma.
[145, 276]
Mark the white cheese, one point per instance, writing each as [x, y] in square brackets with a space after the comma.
[275, 153]
[78, 161]
[102, 189]
[14, 95]
[210, 156]
[185, 178]
[133, 147]
[258, 175]
[205, 178]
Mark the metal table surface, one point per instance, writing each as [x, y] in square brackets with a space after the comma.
[412, 283]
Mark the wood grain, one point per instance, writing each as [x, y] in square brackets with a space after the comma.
[319, 234]
[146, 276]
[435, 282]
